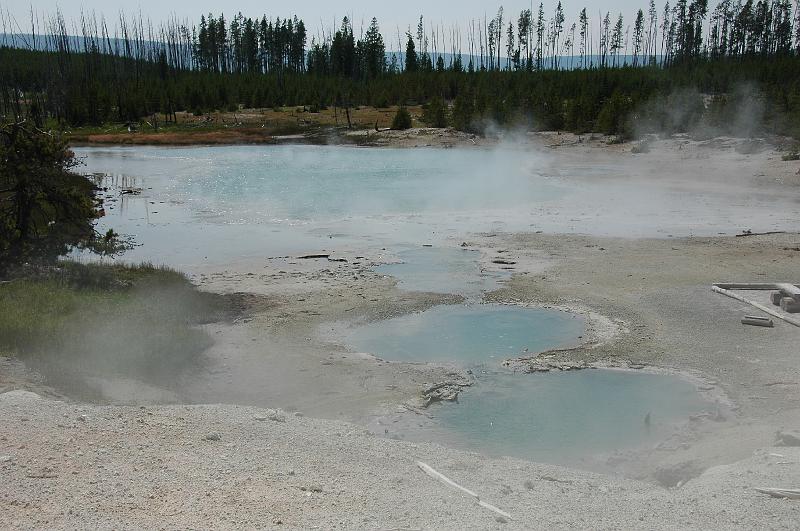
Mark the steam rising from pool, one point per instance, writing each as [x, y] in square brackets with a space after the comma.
[215, 205]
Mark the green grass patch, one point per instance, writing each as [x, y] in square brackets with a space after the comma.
[133, 321]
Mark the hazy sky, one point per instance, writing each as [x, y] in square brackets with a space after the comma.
[318, 12]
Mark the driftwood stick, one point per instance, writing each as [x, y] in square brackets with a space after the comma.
[444, 479]
[449, 482]
[791, 494]
[758, 321]
[747, 286]
[748, 234]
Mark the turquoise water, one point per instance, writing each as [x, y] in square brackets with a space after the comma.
[317, 182]
[564, 417]
[442, 270]
[467, 335]
[557, 417]
[213, 205]
[219, 205]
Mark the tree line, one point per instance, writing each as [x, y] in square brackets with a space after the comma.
[531, 67]
[248, 45]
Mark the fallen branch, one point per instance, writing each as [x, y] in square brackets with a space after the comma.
[790, 494]
[748, 233]
[447, 481]
[765, 322]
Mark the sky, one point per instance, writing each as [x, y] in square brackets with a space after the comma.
[318, 13]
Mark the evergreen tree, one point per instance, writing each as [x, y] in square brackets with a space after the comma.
[583, 20]
[374, 51]
[540, 28]
[638, 29]
[605, 36]
[523, 39]
[265, 62]
[616, 39]
[434, 114]
[45, 209]
[652, 32]
[558, 28]
[411, 54]
[402, 119]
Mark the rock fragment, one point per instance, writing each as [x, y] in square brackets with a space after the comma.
[788, 438]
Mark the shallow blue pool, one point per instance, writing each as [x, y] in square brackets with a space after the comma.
[467, 335]
[557, 417]
[563, 417]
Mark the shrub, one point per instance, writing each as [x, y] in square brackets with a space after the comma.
[613, 117]
[464, 112]
[435, 113]
[402, 120]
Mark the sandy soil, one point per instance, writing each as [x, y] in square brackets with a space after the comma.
[650, 307]
[235, 467]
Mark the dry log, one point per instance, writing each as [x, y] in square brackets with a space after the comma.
[748, 233]
[791, 494]
[449, 482]
[758, 321]
[747, 286]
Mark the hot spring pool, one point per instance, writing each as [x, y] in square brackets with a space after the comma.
[557, 417]
[565, 417]
[467, 335]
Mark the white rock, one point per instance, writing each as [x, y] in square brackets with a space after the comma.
[19, 395]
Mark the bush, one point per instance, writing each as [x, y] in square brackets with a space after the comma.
[464, 112]
[381, 101]
[402, 120]
[434, 114]
[613, 117]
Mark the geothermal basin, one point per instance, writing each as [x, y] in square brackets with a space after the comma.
[406, 215]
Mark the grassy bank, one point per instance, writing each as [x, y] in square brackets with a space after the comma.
[245, 126]
[130, 321]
